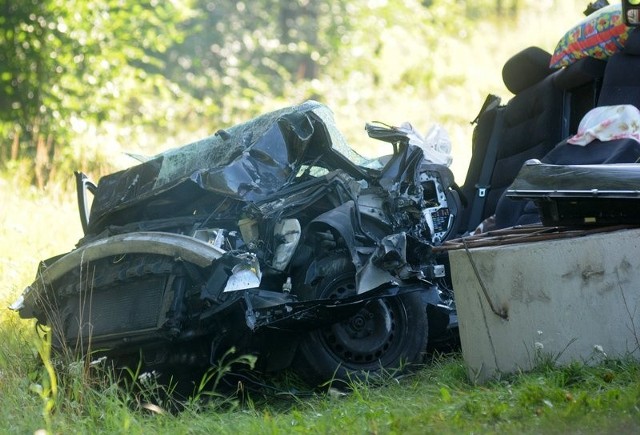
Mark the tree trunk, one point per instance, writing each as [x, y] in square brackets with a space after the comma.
[515, 7]
[43, 162]
[302, 18]
[53, 153]
[15, 146]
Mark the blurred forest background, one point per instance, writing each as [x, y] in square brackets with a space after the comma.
[82, 81]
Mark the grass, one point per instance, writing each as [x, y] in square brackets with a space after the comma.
[437, 399]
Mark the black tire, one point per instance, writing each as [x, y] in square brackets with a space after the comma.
[385, 337]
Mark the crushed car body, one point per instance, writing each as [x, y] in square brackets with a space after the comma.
[272, 237]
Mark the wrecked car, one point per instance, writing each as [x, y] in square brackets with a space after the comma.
[273, 238]
[276, 239]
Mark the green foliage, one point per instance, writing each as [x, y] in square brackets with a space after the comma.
[69, 63]
[81, 79]
[76, 71]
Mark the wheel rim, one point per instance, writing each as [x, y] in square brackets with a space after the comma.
[370, 336]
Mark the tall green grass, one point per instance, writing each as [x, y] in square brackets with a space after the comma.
[437, 399]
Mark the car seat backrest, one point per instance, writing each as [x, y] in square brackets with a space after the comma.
[530, 124]
[547, 107]
[533, 125]
[621, 83]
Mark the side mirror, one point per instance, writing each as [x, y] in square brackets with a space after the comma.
[631, 12]
[82, 185]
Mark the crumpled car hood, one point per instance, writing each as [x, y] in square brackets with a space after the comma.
[248, 162]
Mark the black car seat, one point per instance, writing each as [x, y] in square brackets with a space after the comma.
[620, 85]
[528, 126]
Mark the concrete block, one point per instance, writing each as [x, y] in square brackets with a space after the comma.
[566, 299]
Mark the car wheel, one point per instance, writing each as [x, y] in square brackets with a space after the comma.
[386, 336]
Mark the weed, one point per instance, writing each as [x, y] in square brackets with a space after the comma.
[48, 389]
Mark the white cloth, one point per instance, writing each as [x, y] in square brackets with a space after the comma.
[608, 123]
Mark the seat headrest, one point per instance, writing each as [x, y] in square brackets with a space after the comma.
[632, 45]
[526, 68]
